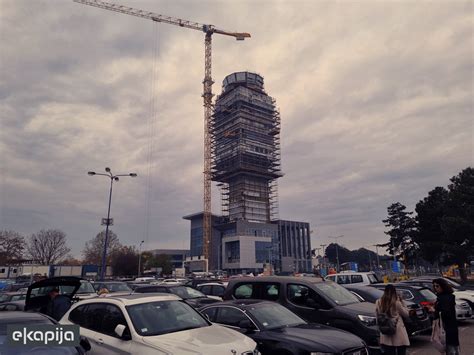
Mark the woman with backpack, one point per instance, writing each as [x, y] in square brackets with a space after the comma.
[390, 311]
[445, 308]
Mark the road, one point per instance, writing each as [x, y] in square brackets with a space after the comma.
[421, 345]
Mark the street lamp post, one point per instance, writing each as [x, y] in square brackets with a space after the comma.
[140, 257]
[337, 249]
[324, 257]
[112, 178]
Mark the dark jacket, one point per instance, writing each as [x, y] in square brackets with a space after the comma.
[58, 306]
[446, 307]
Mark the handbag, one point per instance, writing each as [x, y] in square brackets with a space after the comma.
[438, 335]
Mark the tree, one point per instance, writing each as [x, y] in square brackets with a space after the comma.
[162, 261]
[71, 261]
[11, 246]
[93, 249]
[48, 246]
[125, 261]
[458, 221]
[429, 234]
[401, 233]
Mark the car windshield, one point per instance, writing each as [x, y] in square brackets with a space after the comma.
[336, 293]
[273, 316]
[163, 317]
[186, 292]
[117, 287]
[86, 287]
[428, 294]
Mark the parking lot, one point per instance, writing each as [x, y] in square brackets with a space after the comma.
[421, 345]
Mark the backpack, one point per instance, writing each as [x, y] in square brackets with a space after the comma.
[387, 325]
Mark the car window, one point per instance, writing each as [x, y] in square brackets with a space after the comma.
[332, 278]
[358, 296]
[343, 279]
[77, 315]
[94, 313]
[271, 292]
[113, 316]
[356, 279]
[218, 291]
[243, 291]
[428, 294]
[186, 292]
[18, 297]
[230, 316]
[372, 278]
[4, 298]
[206, 289]
[302, 295]
[86, 287]
[405, 294]
[210, 313]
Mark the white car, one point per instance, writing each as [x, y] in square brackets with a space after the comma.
[463, 310]
[152, 324]
[352, 277]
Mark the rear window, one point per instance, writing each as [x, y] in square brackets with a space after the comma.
[373, 279]
[428, 294]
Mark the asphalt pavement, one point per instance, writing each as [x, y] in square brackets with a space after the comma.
[421, 344]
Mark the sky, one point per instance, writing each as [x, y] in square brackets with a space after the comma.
[375, 97]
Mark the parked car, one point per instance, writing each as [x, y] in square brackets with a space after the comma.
[12, 296]
[190, 295]
[463, 310]
[313, 299]
[196, 282]
[12, 306]
[151, 324]
[352, 277]
[86, 290]
[13, 287]
[24, 318]
[460, 292]
[419, 318]
[112, 286]
[420, 295]
[213, 289]
[279, 331]
[133, 285]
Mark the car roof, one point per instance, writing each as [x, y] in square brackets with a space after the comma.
[282, 279]
[21, 317]
[211, 284]
[134, 298]
[243, 304]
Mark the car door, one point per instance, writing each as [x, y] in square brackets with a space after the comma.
[306, 303]
[109, 343]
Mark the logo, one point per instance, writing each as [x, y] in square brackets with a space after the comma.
[43, 334]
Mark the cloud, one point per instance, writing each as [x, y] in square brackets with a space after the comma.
[375, 100]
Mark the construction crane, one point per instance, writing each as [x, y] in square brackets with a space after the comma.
[207, 95]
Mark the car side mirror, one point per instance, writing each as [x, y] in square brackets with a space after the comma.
[84, 343]
[122, 331]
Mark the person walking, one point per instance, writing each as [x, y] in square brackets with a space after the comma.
[445, 307]
[392, 306]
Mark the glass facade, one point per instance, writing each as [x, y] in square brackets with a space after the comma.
[263, 252]
[232, 251]
[196, 241]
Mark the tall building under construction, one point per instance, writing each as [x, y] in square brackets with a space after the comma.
[246, 165]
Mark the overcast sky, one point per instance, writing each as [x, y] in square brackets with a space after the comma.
[376, 102]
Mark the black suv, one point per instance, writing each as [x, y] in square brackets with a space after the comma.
[313, 299]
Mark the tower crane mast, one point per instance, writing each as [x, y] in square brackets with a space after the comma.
[207, 95]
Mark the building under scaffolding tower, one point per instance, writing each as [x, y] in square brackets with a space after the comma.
[246, 142]
[248, 236]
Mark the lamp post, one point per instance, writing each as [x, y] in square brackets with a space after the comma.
[377, 252]
[112, 178]
[337, 249]
[140, 257]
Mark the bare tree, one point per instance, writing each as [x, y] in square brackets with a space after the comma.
[93, 249]
[48, 246]
[12, 245]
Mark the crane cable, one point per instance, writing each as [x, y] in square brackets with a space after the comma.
[152, 122]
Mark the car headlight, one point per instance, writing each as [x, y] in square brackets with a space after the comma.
[367, 320]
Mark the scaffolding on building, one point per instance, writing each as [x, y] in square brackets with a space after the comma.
[246, 149]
